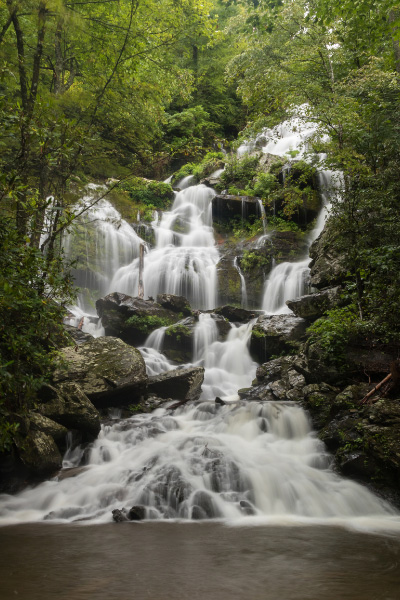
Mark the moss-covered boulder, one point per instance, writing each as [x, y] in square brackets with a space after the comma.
[178, 340]
[106, 369]
[133, 319]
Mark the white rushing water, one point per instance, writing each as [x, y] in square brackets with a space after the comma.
[240, 461]
[204, 461]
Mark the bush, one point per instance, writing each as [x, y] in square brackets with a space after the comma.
[155, 193]
[32, 295]
[333, 332]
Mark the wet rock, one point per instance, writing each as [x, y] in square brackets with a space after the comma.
[78, 336]
[132, 319]
[223, 326]
[45, 425]
[219, 401]
[247, 508]
[120, 515]
[229, 284]
[313, 306]
[178, 304]
[179, 384]
[39, 454]
[274, 335]
[137, 513]
[107, 370]
[178, 340]
[235, 314]
[71, 408]
[203, 506]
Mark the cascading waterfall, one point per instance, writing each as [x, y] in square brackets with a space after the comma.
[232, 459]
[101, 243]
[185, 257]
[204, 461]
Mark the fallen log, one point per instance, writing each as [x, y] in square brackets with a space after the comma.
[376, 388]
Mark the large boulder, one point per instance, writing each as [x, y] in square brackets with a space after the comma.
[275, 335]
[133, 319]
[107, 370]
[71, 408]
[179, 384]
[176, 304]
[313, 306]
[39, 454]
[39, 422]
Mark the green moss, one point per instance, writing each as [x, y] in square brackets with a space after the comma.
[258, 333]
[178, 331]
[147, 324]
[252, 260]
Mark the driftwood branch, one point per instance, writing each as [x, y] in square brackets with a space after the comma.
[376, 388]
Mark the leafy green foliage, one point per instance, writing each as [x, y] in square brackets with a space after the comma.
[154, 193]
[253, 260]
[332, 334]
[32, 294]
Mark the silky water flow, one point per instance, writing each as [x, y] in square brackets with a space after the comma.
[251, 462]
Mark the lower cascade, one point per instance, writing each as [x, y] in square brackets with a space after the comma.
[201, 461]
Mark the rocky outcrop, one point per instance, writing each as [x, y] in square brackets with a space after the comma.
[229, 284]
[38, 422]
[313, 306]
[179, 384]
[71, 408]
[133, 319]
[327, 266]
[107, 370]
[176, 304]
[274, 335]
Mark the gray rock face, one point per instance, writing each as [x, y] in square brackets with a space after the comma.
[327, 267]
[106, 369]
[133, 319]
[39, 454]
[72, 408]
[78, 336]
[180, 384]
[273, 335]
[313, 306]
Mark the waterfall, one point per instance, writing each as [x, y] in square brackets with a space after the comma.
[185, 257]
[204, 461]
[263, 214]
[101, 242]
[229, 459]
[243, 292]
